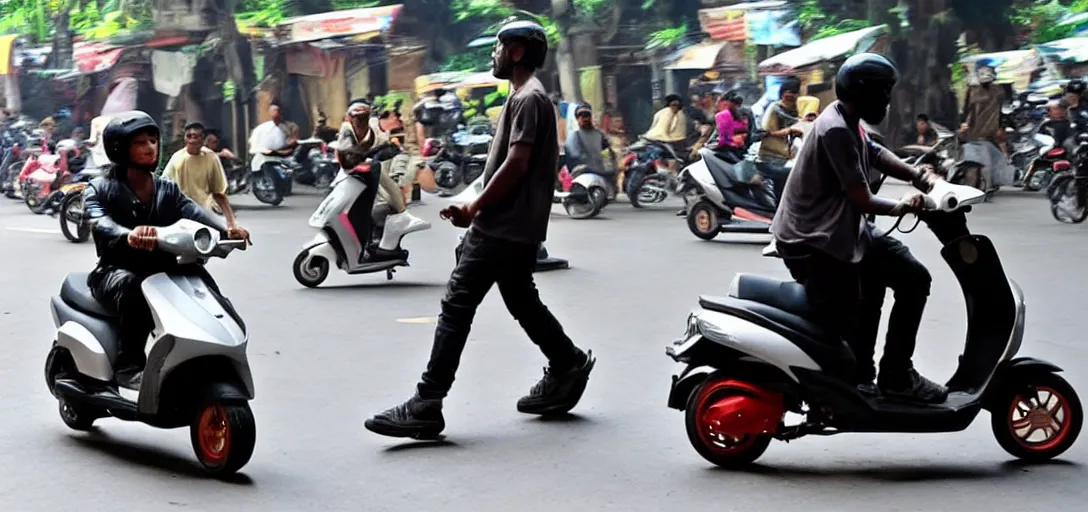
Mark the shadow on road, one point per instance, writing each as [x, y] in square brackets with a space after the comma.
[394, 284]
[147, 456]
[441, 442]
[901, 473]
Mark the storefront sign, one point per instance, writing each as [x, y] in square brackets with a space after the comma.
[351, 22]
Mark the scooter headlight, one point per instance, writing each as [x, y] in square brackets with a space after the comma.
[204, 241]
[692, 327]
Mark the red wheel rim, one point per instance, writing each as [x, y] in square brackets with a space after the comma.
[213, 431]
[722, 443]
[1040, 421]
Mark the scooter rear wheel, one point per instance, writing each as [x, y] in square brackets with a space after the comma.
[1037, 417]
[719, 448]
[223, 436]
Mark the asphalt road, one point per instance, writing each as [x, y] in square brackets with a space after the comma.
[325, 359]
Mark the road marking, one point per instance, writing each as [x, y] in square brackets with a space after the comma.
[35, 230]
[418, 320]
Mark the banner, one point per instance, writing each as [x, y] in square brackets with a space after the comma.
[351, 22]
[724, 25]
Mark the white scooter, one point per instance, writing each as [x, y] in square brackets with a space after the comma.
[588, 194]
[197, 372]
[758, 353]
[343, 243]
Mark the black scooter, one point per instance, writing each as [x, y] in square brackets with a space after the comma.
[721, 197]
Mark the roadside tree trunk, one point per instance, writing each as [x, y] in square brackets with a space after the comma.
[563, 14]
[62, 37]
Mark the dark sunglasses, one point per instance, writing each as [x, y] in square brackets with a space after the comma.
[194, 135]
[584, 114]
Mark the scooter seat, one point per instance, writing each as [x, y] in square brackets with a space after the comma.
[75, 292]
[833, 356]
[789, 296]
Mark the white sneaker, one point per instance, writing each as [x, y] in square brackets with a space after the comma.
[398, 225]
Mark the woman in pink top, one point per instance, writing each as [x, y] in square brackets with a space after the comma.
[730, 144]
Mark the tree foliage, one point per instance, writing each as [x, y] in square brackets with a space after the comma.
[93, 19]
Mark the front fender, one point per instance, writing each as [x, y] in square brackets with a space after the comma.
[685, 383]
[1006, 375]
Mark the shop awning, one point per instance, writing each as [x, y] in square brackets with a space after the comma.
[823, 50]
[7, 44]
[90, 57]
[702, 56]
[1014, 67]
[1072, 50]
[346, 23]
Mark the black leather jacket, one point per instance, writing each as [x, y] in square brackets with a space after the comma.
[114, 211]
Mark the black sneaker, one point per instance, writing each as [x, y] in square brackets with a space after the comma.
[913, 387]
[868, 389]
[417, 418]
[559, 391]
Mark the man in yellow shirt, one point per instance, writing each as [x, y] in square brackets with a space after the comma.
[198, 172]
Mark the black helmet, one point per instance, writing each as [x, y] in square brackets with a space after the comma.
[865, 81]
[529, 34]
[1075, 86]
[863, 74]
[120, 130]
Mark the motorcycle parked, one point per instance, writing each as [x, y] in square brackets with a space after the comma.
[316, 163]
[459, 159]
[74, 224]
[44, 175]
[352, 247]
[197, 372]
[757, 354]
[1048, 161]
[648, 179]
[1068, 190]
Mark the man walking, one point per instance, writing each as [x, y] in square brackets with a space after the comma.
[506, 224]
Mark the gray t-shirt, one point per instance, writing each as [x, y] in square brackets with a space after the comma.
[586, 147]
[814, 212]
[527, 118]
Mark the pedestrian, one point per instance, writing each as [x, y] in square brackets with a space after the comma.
[778, 121]
[979, 131]
[199, 173]
[507, 223]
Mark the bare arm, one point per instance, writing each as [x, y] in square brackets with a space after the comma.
[218, 186]
[886, 162]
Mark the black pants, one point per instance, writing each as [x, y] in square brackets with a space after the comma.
[847, 300]
[118, 291]
[482, 262]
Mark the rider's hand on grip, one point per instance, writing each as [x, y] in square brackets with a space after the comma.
[143, 237]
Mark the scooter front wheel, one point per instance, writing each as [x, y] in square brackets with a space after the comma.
[223, 436]
[1037, 418]
[310, 274]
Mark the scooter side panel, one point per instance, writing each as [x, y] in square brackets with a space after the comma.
[339, 200]
[701, 174]
[91, 360]
[94, 337]
[746, 337]
[184, 307]
[320, 247]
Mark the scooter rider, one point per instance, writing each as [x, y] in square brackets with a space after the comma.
[124, 207]
[829, 247]
[358, 135]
